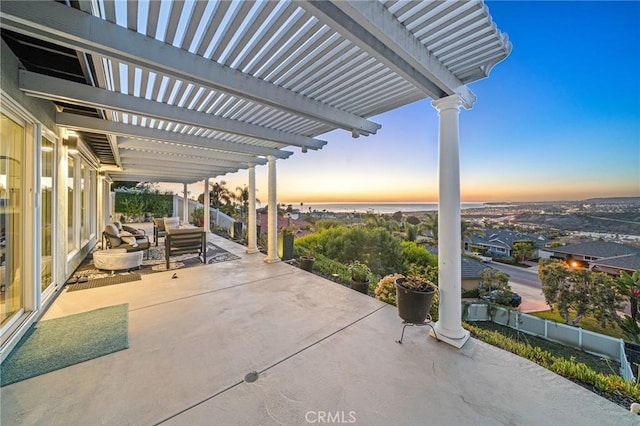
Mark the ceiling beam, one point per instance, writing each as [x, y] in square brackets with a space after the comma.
[175, 167]
[369, 25]
[52, 88]
[178, 160]
[135, 145]
[57, 23]
[151, 177]
[199, 174]
[97, 125]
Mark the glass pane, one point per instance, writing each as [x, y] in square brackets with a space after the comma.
[71, 241]
[83, 207]
[11, 161]
[46, 193]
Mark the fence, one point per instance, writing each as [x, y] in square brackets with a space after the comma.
[588, 341]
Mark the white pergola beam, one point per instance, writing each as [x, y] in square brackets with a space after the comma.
[127, 154]
[66, 26]
[172, 148]
[369, 25]
[176, 173]
[52, 88]
[97, 125]
[175, 167]
[148, 177]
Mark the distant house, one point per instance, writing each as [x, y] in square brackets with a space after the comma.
[470, 269]
[499, 242]
[602, 256]
[615, 265]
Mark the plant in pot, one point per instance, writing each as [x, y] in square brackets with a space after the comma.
[198, 216]
[360, 274]
[285, 242]
[414, 294]
[308, 258]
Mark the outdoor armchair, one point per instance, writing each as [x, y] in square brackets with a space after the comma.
[136, 232]
[124, 240]
[158, 230]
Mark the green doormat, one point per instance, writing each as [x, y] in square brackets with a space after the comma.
[58, 343]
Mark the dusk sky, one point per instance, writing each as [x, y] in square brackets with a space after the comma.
[559, 119]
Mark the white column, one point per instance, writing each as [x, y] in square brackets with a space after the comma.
[449, 326]
[185, 206]
[207, 204]
[272, 218]
[251, 225]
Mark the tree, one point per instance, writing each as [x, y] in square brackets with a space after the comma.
[467, 229]
[492, 279]
[218, 193]
[627, 287]
[578, 292]
[523, 250]
[431, 225]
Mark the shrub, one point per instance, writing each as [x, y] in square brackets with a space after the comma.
[416, 255]
[473, 293]
[385, 290]
[376, 247]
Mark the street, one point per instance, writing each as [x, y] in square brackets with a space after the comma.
[526, 283]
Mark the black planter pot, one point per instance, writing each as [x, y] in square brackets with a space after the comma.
[413, 306]
[306, 263]
[285, 246]
[361, 286]
[237, 230]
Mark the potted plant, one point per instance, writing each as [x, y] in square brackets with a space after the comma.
[414, 294]
[360, 273]
[308, 258]
[198, 216]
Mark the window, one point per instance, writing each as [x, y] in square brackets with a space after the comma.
[71, 233]
[47, 173]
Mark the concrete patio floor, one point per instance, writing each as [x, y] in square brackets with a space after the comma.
[322, 352]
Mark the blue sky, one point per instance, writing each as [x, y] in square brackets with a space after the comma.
[559, 119]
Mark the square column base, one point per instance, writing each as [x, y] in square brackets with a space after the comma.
[271, 260]
[252, 250]
[458, 343]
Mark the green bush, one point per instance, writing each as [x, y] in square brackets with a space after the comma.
[327, 223]
[416, 255]
[137, 203]
[385, 290]
[474, 293]
[376, 247]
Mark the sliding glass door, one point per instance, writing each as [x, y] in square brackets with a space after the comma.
[11, 218]
[47, 173]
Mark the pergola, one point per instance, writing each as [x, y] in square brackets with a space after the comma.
[175, 91]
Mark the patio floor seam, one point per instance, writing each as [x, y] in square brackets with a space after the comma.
[286, 358]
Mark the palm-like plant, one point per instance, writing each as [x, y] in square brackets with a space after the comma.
[218, 193]
[467, 229]
[431, 225]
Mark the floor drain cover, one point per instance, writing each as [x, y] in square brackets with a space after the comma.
[251, 377]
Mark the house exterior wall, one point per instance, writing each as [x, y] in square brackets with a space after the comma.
[470, 284]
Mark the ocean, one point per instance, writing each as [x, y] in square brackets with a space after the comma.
[378, 208]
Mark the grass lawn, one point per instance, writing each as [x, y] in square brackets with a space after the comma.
[556, 349]
[587, 322]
